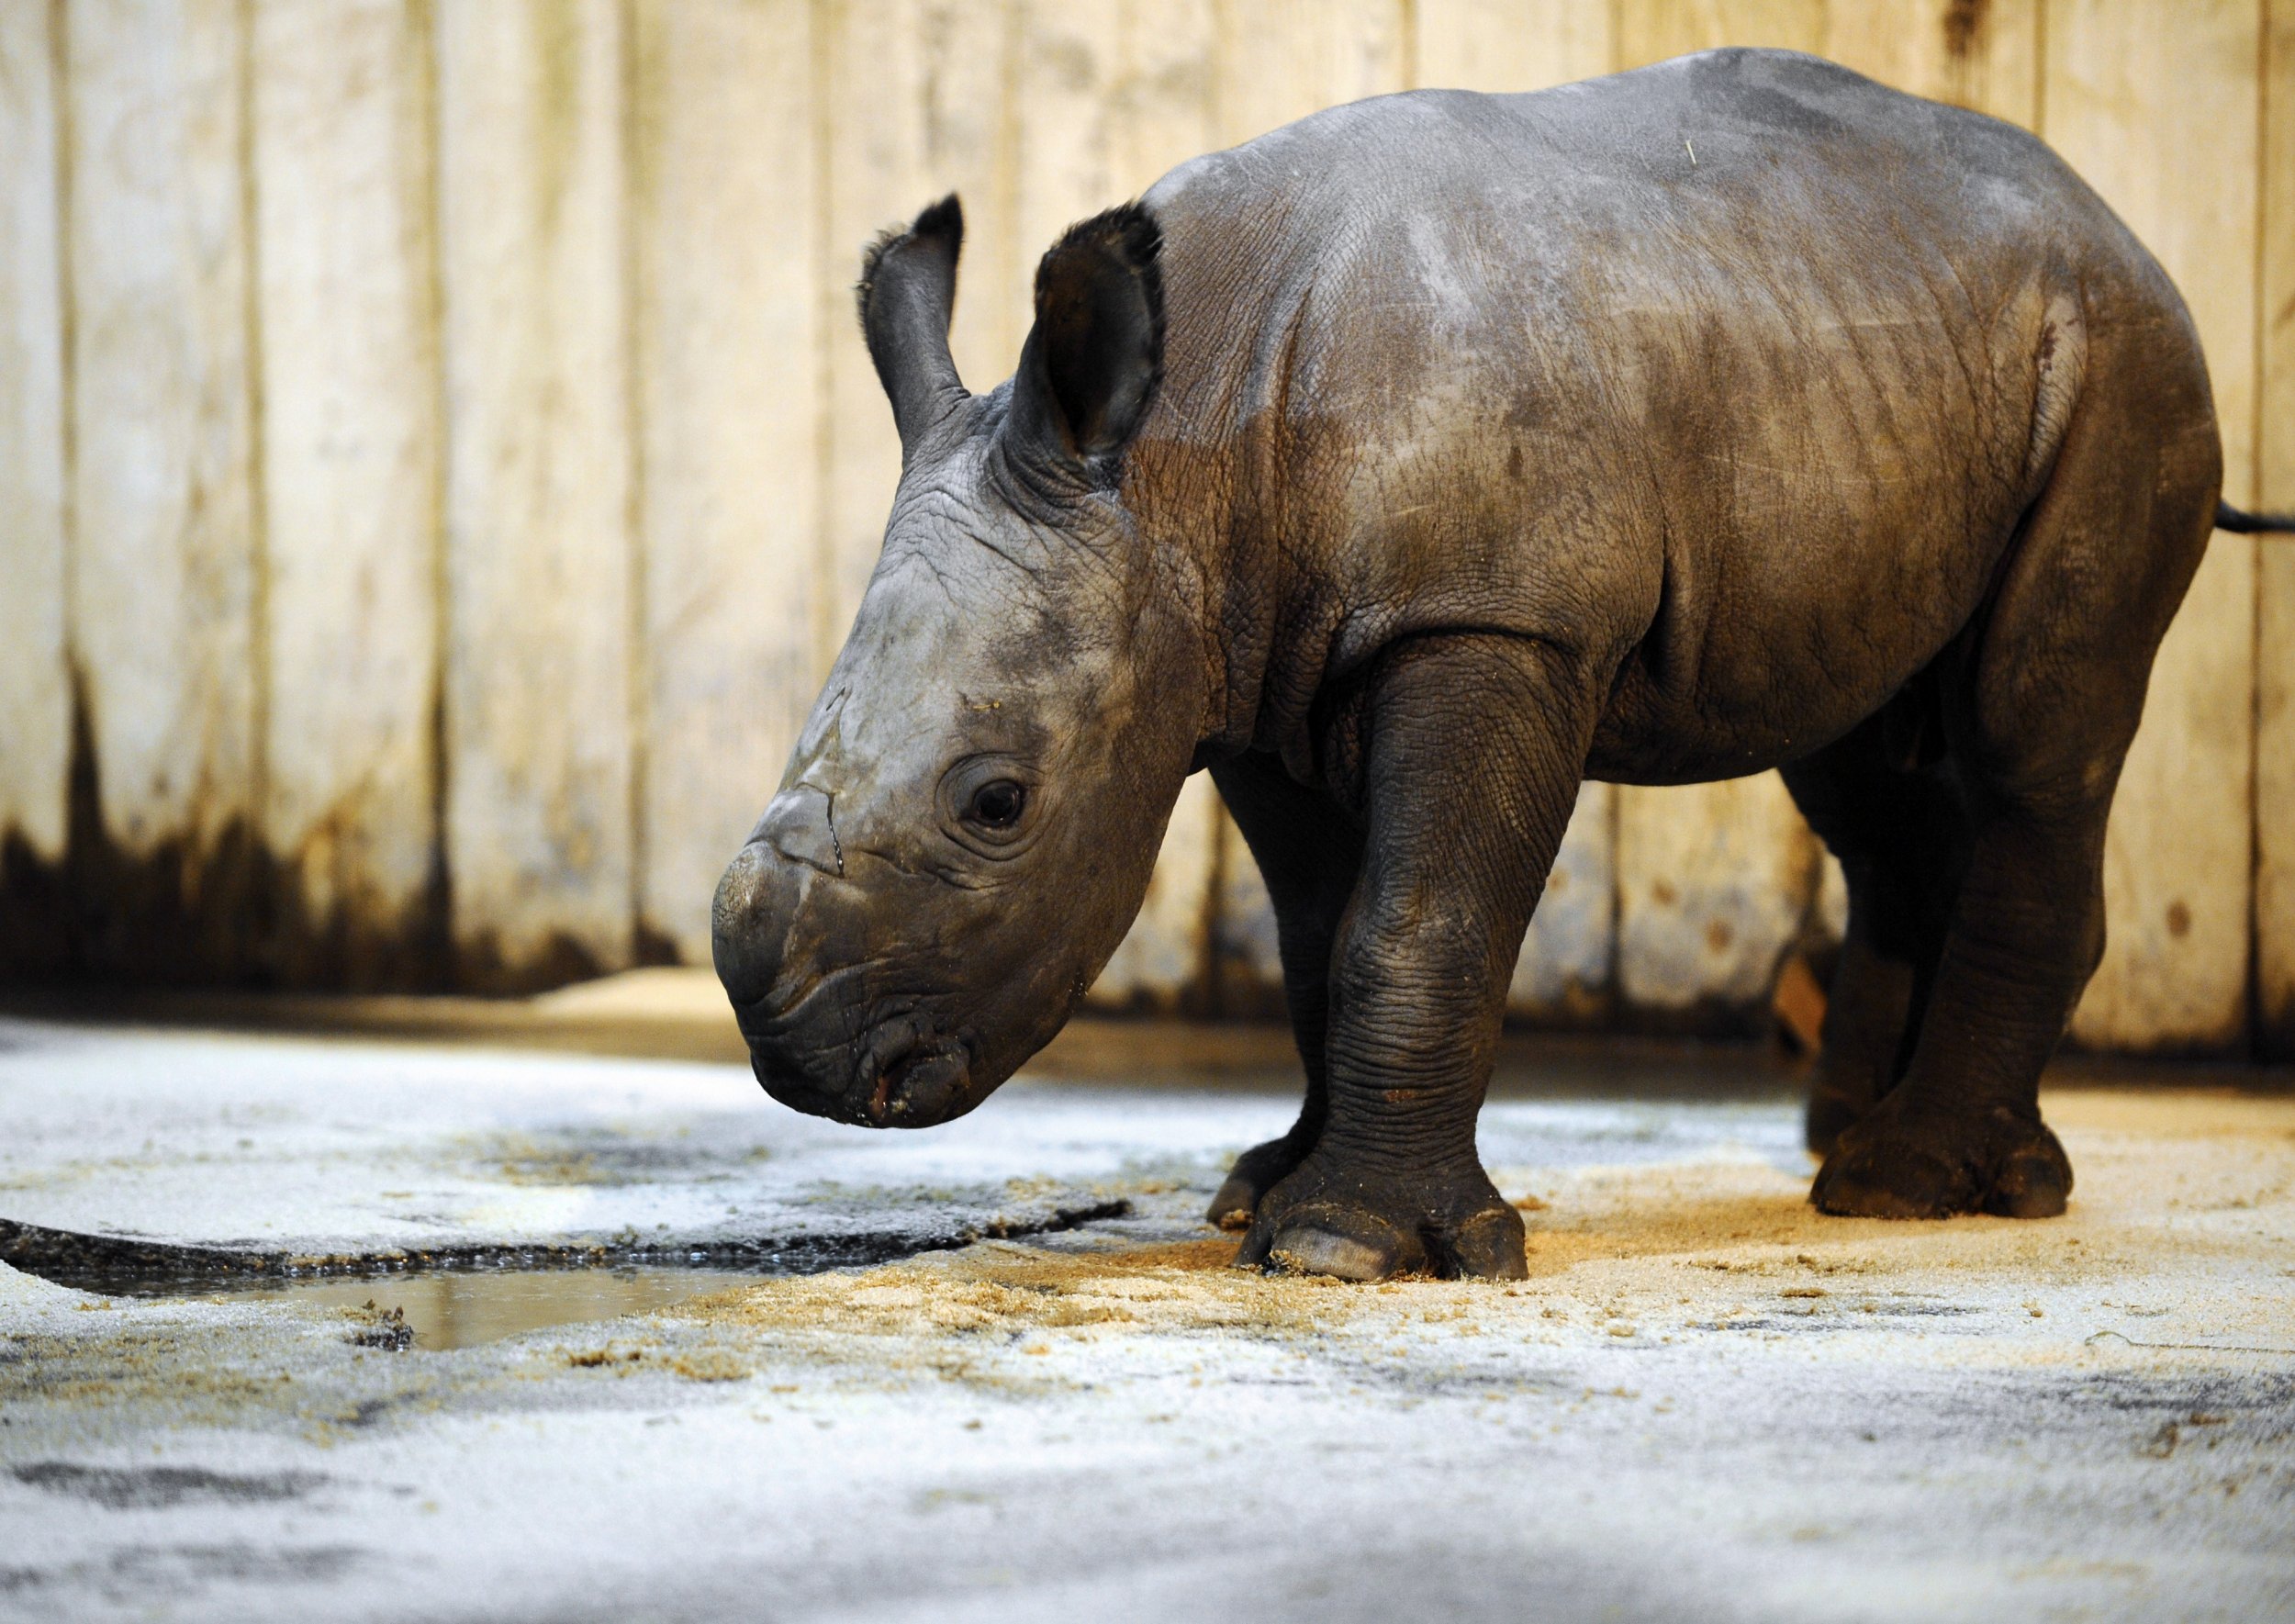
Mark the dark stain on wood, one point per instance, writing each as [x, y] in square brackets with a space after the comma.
[229, 911]
[1963, 27]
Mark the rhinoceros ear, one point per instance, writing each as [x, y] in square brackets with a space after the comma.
[908, 293]
[1090, 368]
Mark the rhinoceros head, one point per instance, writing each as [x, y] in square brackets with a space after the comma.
[967, 825]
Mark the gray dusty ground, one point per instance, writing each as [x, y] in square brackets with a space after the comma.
[1707, 1402]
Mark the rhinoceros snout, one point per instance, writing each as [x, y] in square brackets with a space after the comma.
[790, 940]
[760, 940]
[749, 928]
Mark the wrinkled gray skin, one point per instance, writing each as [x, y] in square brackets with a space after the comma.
[1729, 414]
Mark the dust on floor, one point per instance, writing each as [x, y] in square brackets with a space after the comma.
[1706, 1402]
[2180, 1239]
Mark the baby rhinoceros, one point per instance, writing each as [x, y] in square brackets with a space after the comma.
[1407, 466]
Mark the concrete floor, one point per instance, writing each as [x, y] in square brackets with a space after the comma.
[1707, 1402]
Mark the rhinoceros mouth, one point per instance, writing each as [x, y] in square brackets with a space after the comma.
[918, 1081]
[902, 1074]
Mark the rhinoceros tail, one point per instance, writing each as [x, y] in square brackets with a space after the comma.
[2252, 525]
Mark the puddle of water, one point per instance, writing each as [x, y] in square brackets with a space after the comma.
[448, 1308]
[478, 1295]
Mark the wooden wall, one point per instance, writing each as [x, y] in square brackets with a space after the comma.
[437, 461]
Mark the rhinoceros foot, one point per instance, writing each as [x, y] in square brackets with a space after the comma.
[1904, 1162]
[1326, 1219]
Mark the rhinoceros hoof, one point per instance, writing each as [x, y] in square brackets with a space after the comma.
[1323, 1220]
[1899, 1163]
[1256, 1171]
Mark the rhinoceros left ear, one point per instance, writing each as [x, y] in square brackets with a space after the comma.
[908, 296]
[1090, 368]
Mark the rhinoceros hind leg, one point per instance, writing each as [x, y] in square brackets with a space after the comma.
[2036, 716]
[1899, 1163]
[1887, 808]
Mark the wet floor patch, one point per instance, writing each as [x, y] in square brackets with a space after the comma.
[460, 1298]
[128, 1266]
[461, 1308]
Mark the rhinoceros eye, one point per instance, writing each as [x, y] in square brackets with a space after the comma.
[998, 803]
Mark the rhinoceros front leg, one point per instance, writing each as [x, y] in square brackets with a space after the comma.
[1310, 853]
[1473, 750]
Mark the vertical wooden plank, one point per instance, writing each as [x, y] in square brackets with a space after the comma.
[1509, 45]
[1281, 60]
[1275, 60]
[530, 116]
[910, 103]
[34, 696]
[1160, 113]
[1066, 68]
[1156, 104]
[1069, 91]
[1652, 31]
[727, 219]
[164, 581]
[2275, 587]
[1161, 961]
[1247, 966]
[351, 471]
[1981, 56]
[968, 55]
[869, 117]
[1714, 880]
[1163, 107]
[2132, 90]
[1563, 972]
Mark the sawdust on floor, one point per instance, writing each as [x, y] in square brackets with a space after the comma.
[2179, 1236]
